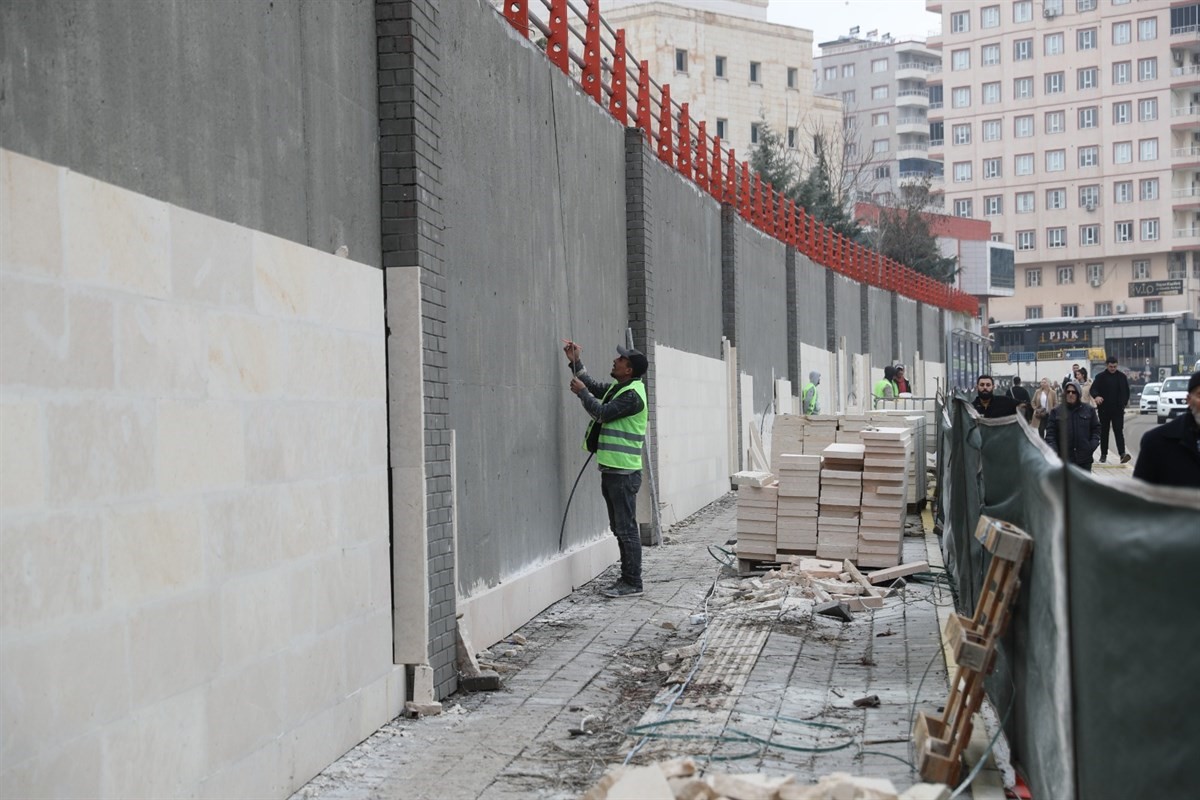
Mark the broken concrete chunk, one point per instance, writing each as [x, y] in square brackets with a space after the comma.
[691, 789]
[927, 791]
[517, 638]
[870, 701]
[834, 609]
[418, 710]
[748, 787]
[678, 768]
[641, 783]
[486, 680]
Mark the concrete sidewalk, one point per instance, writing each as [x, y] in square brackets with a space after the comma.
[772, 692]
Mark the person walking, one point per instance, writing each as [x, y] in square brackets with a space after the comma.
[616, 435]
[809, 400]
[1044, 401]
[902, 384]
[1110, 393]
[1169, 455]
[987, 403]
[1085, 386]
[1020, 396]
[1080, 427]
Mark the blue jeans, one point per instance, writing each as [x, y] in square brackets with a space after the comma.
[620, 496]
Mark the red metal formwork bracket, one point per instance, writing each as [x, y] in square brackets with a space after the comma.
[643, 100]
[731, 181]
[591, 54]
[517, 14]
[768, 220]
[716, 186]
[702, 177]
[559, 42]
[745, 207]
[683, 154]
[789, 223]
[664, 125]
[617, 104]
[758, 201]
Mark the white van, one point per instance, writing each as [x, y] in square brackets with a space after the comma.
[1172, 398]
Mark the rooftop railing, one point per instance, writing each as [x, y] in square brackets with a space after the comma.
[594, 54]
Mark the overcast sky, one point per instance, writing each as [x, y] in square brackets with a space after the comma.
[828, 19]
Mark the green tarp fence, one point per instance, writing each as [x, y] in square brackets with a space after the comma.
[1099, 674]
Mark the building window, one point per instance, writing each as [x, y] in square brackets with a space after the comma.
[1023, 88]
[1025, 203]
[879, 146]
[847, 70]
[1056, 160]
[991, 92]
[1052, 44]
[883, 171]
[1023, 126]
[961, 134]
[961, 97]
[722, 125]
[991, 168]
[754, 131]
[989, 17]
[1089, 156]
[1056, 237]
[1150, 230]
[1023, 50]
[1066, 275]
[1122, 112]
[831, 73]
[848, 98]
[1153, 306]
[1122, 72]
[1147, 29]
[1147, 69]
[989, 55]
[1141, 270]
[1121, 32]
[1095, 273]
[1056, 121]
[1104, 309]
[791, 137]
[997, 237]
[1023, 164]
[1033, 277]
[1089, 197]
[720, 67]
[755, 72]
[1088, 78]
[1085, 5]
[1023, 11]
[1123, 192]
[1055, 83]
[1123, 231]
[993, 205]
[879, 119]
[1147, 109]
[879, 65]
[1033, 312]
[1085, 39]
[991, 130]
[962, 171]
[1056, 199]
[879, 92]
[962, 208]
[793, 76]
[1026, 240]
[1177, 267]
[1089, 235]
[681, 60]
[849, 123]
[1087, 117]
[1148, 150]
[959, 60]
[1070, 310]
[1148, 189]
[1122, 152]
[960, 22]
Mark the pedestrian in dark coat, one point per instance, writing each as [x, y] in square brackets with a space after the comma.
[1170, 454]
[1110, 393]
[1082, 428]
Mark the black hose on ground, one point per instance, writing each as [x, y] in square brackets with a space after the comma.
[563, 528]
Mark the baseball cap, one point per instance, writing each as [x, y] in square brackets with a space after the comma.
[1194, 382]
[637, 360]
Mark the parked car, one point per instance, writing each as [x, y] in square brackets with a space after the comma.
[1149, 402]
[1172, 398]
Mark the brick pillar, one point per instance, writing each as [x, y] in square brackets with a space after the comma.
[894, 301]
[831, 330]
[921, 312]
[793, 321]
[409, 48]
[864, 295]
[729, 223]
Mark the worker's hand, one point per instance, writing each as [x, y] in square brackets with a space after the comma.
[1099, 400]
[572, 350]
[576, 385]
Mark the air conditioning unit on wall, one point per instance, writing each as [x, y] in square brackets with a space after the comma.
[1096, 283]
[1050, 13]
[1122, 308]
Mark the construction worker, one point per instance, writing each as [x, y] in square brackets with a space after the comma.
[616, 435]
[810, 401]
[885, 388]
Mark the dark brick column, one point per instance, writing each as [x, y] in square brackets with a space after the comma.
[894, 302]
[408, 38]
[921, 329]
[793, 322]
[831, 329]
[864, 299]
[729, 223]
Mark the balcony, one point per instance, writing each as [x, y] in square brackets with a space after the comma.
[912, 125]
[913, 98]
[1187, 233]
[1185, 75]
[912, 150]
[913, 70]
[1186, 111]
[1186, 193]
[1190, 31]
[1185, 156]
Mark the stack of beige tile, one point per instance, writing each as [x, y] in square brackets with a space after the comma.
[841, 497]
[756, 510]
[799, 490]
[787, 436]
[915, 423]
[849, 427]
[820, 431]
[886, 460]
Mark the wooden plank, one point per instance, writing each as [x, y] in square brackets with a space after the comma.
[899, 572]
[861, 579]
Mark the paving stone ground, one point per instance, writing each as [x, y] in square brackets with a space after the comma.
[773, 693]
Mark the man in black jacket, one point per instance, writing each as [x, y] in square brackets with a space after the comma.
[1082, 429]
[1020, 396]
[1170, 454]
[988, 404]
[1110, 393]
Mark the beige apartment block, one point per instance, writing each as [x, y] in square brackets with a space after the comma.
[194, 534]
[883, 86]
[734, 69]
[1073, 127]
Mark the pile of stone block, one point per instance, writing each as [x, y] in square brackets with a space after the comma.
[798, 493]
[840, 501]
[887, 457]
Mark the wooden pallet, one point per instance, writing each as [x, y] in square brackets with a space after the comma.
[940, 740]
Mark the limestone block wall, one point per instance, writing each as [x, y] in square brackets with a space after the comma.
[194, 556]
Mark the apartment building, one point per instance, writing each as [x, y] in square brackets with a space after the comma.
[733, 68]
[883, 86]
[1073, 126]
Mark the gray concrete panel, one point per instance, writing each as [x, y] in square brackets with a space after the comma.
[761, 311]
[534, 250]
[811, 308]
[848, 312]
[906, 323]
[261, 114]
[934, 336]
[879, 323]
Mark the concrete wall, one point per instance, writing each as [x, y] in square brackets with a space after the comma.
[847, 312]
[878, 319]
[906, 324]
[933, 335]
[262, 114]
[193, 517]
[761, 305]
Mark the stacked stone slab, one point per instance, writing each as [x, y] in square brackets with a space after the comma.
[915, 423]
[820, 431]
[799, 491]
[756, 514]
[849, 427]
[787, 436]
[887, 455]
[840, 501]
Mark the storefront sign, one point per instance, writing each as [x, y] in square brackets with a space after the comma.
[1155, 288]
[1064, 337]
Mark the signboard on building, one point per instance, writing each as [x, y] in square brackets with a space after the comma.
[1155, 288]
[1064, 337]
